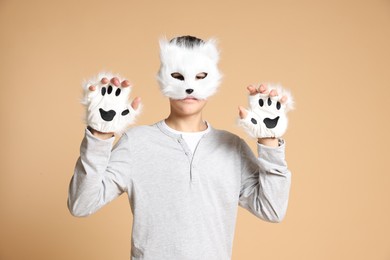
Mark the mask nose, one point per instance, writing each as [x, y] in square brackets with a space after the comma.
[189, 91]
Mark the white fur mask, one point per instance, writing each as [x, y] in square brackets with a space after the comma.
[188, 62]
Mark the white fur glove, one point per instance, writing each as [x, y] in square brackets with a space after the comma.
[266, 116]
[107, 106]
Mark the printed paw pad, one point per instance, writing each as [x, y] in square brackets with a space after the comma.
[108, 107]
[110, 114]
[269, 122]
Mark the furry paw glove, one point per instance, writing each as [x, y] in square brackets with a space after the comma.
[266, 116]
[107, 106]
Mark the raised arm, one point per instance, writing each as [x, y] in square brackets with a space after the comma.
[265, 182]
[100, 174]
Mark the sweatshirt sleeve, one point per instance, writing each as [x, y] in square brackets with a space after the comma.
[99, 175]
[265, 182]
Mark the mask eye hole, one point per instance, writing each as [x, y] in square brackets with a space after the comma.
[177, 75]
[201, 75]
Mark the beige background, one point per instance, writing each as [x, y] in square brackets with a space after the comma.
[333, 55]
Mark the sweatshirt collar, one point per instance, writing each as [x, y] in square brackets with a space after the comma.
[160, 125]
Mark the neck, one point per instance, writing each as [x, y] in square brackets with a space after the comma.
[192, 123]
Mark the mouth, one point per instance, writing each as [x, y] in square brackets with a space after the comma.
[190, 98]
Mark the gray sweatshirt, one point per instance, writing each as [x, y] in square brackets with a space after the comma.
[184, 205]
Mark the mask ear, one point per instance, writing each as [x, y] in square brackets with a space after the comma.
[164, 48]
[210, 49]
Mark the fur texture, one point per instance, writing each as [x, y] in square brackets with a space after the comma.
[267, 116]
[188, 61]
[107, 107]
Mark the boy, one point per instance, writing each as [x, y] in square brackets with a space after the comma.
[184, 179]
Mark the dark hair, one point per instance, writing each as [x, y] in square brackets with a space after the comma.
[187, 41]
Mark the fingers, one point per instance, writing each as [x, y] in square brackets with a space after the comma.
[135, 103]
[242, 112]
[125, 83]
[273, 93]
[262, 89]
[115, 81]
[252, 90]
[104, 81]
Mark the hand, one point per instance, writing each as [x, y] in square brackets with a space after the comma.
[107, 107]
[267, 115]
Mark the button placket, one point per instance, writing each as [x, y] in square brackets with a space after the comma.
[189, 155]
[194, 174]
[194, 164]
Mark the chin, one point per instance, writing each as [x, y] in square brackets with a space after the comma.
[187, 106]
